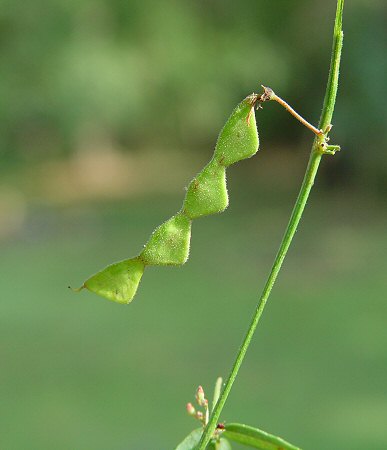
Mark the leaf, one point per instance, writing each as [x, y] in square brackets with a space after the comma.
[255, 438]
[191, 441]
[222, 444]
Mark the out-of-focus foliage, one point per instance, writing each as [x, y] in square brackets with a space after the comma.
[111, 69]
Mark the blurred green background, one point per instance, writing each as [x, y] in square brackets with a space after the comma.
[108, 108]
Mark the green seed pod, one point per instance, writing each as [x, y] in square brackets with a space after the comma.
[239, 137]
[117, 282]
[169, 243]
[207, 192]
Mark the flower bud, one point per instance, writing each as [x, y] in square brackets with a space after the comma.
[190, 409]
[199, 415]
[200, 398]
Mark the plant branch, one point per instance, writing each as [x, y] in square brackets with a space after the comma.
[310, 174]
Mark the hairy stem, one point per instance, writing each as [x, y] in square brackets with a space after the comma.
[310, 174]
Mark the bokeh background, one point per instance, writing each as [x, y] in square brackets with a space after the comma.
[108, 108]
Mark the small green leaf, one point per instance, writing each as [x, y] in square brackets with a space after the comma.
[217, 391]
[255, 438]
[222, 444]
[191, 441]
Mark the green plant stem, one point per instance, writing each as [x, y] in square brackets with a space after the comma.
[310, 174]
[306, 187]
[333, 78]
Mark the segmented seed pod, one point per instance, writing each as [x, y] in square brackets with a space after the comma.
[206, 195]
[117, 282]
[169, 243]
[207, 192]
[238, 138]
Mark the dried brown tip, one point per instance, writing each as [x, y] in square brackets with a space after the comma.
[268, 94]
[77, 289]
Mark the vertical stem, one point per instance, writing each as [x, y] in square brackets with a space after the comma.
[333, 78]
[302, 198]
[310, 174]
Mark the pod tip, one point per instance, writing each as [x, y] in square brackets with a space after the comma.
[77, 289]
